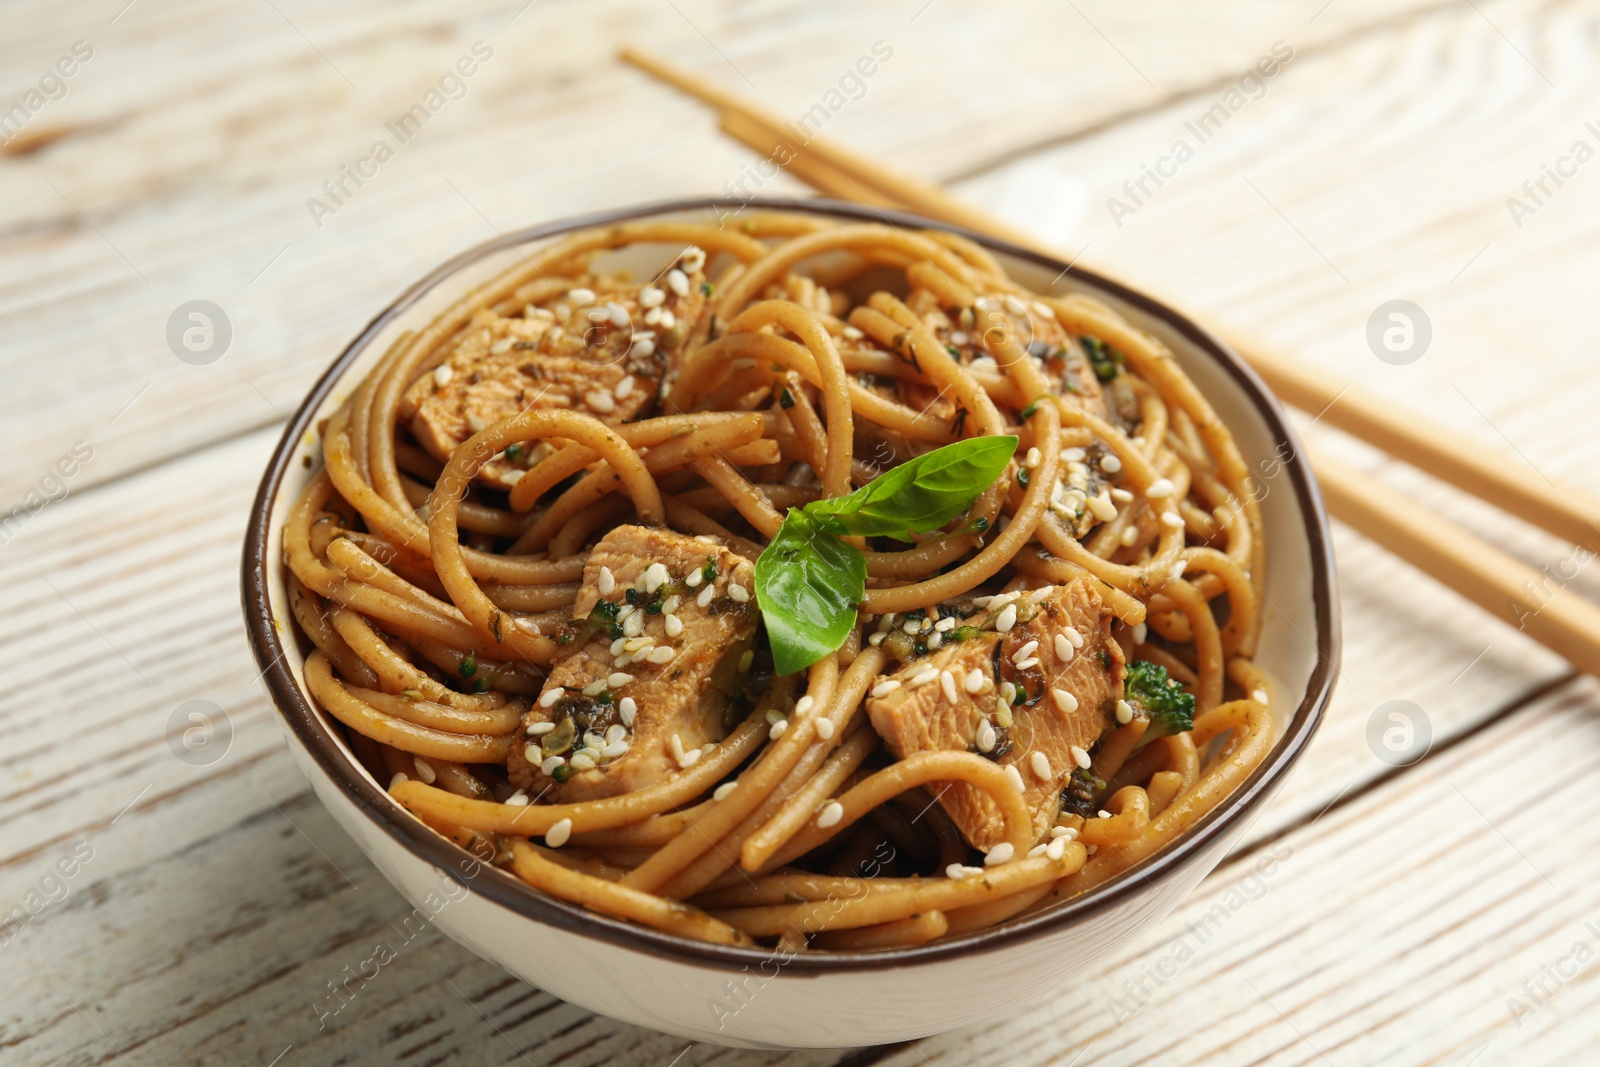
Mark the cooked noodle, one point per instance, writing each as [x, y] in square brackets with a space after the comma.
[435, 579]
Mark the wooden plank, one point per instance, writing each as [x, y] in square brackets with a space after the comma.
[1349, 148]
[1432, 920]
[196, 135]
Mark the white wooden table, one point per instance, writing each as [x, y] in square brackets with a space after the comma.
[1445, 912]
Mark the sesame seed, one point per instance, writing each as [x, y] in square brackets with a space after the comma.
[634, 644]
[1001, 853]
[1063, 831]
[1064, 649]
[689, 758]
[580, 297]
[551, 696]
[618, 680]
[475, 422]
[1008, 692]
[704, 599]
[633, 625]
[1038, 850]
[882, 689]
[1033, 458]
[442, 375]
[655, 576]
[1120, 495]
[399, 776]
[1124, 712]
[1025, 651]
[623, 388]
[1007, 619]
[739, 593]
[912, 626]
[722, 791]
[1161, 487]
[778, 728]
[661, 655]
[926, 675]
[853, 333]
[558, 834]
[693, 258]
[1129, 536]
[595, 688]
[617, 313]
[1056, 849]
[1104, 814]
[947, 682]
[1074, 636]
[668, 319]
[548, 767]
[746, 658]
[1073, 455]
[1177, 570]
[876, 639]
[1014, 779]
[693, 579]
[671, 604]
[519, 799]
[1040, 593]
[615, 749]
[1172, 519]
[973, 683]
[643, 347]
[774, 715]
[945, 625]
[679, 281]
[958, 871]
[1260, 696]
[600, 401]
[1064, 700]
[527, 625]
[1040, 764]
[1110, 463]
[627, 708]
[1140, 632]
[804, 704]
[832, 814]
[650, 297]
[539, 729]
[825, 729]
[986, 737]
[935, 640]
[1002, 714]
[1028, 664]
[1102, 507]
[1080, 757]
[673, 625]
[582, 760]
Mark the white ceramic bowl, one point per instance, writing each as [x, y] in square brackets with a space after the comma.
[766, 998]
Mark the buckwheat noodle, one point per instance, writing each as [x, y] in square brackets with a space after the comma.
[432, 581]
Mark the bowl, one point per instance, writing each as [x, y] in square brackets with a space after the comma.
[773, 998]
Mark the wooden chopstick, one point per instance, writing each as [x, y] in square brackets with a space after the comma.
[1549, 613]
[1562, 510]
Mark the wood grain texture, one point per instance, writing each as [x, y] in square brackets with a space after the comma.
[196, 135]
[220, 900]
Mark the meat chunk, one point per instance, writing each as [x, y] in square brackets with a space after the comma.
[602, 353]
[1012, 696]
[662, 623]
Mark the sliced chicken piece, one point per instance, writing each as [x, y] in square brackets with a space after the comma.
[1003, 686]
[662, 624]
[602, 353]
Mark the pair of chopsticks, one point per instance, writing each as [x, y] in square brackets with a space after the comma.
[1537, 603]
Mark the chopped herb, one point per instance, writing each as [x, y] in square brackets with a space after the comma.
[1079, 796]
[1022, 477]
[1028, 411]
[707, 288]
[786, 399]
[468, 665]
[1105, 660]
[955, 353]
[482, 685]
[514, 452]
[494, 624]
[1038, 349]
[1103, 359]
[561, 773]
[1159, 698]
[708, 573]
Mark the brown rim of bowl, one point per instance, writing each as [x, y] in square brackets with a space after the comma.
[505, 889]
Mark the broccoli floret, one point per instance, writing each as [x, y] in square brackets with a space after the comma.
[1162, 700]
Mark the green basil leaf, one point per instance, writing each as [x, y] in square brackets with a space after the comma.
[808, 583]
[921, 494]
